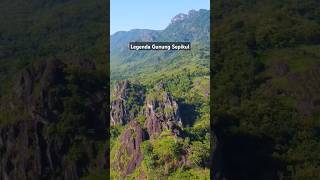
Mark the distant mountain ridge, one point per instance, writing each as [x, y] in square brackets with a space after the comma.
[159, 105]
[193, 27]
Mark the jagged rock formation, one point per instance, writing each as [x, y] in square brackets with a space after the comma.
[162, 113]
[25, 152]
[17, 162]
[126, 96]
[118, 113]
[32, 87]
[129, 156]
[168, 148]
[179, 17]
[182, 16]
[37, 142]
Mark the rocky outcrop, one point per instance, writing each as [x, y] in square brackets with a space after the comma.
[26, 153]
[31, 145]
[31, 89]
[179, 17]
[17, 161]
[129, 156]
[126, 97]
[162, 113]
[118, 114]
[182, 16]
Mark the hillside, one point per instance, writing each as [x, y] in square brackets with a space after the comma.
[192, 27]
[52, 95]
[160, 103]
[265, 69]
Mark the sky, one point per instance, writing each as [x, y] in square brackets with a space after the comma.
[149, 14]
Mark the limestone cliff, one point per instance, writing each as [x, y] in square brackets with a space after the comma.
[45, 132]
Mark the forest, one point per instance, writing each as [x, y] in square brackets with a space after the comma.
[160, 123]
[245, 107]
[265, 88]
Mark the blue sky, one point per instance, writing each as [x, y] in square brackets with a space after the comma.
[149, 14]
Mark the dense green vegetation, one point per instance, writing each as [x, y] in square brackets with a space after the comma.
[265, 74]
[264, 82]
[125, 63]
[36, 30]
[70, 102]
[190, 85]
[185, 75]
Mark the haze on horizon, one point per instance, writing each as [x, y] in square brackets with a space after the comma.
[146, 14]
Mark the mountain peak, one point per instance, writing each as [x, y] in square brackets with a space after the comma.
[192, 12]
[179, 17]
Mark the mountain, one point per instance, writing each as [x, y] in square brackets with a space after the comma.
[160, 103]
[192, 27]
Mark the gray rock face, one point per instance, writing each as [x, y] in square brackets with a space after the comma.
[27, 150]
[32, 87]
[27, 154]
[179, 17]
[129, 155]
[127, 96]
[162, 113]
[46, 72]
[16, 161]
[119, 112]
